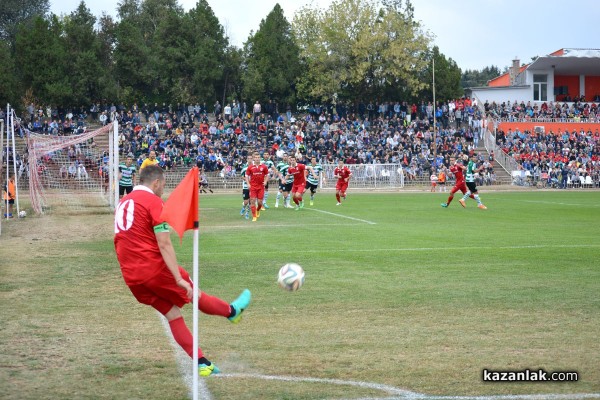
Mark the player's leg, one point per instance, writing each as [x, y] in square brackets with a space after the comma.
[451, 197]
[264, 200]
[478, 199]
[278, 197]
[168, 301]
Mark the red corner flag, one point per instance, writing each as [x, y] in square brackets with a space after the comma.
[181, 208]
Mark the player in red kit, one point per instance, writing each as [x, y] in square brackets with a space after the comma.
[149, 264]
[299, 172]
[257, 176]
[457, 168]
[343, 174]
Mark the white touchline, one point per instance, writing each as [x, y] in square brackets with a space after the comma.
[559, 203]
[183, 364]
[407, 249]
[342, 216]
[403, 394]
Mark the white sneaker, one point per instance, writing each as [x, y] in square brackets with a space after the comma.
[338, 204]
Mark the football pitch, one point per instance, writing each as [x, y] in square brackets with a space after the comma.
[403, 299]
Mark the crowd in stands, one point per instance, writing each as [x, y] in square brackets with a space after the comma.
[554, 158]
[576, 111]
[376, 133]
[386, 132]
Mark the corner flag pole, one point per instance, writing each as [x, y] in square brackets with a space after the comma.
[195, 296]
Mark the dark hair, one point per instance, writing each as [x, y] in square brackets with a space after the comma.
[151, 173]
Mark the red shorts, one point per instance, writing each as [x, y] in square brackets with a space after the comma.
[459, 186]
[341, 186]
[298, 188]
[161, 292]
[257, 192]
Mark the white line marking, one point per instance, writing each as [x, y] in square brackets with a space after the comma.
[342, 216]
[258, 225]
[366, 385]
[183, 364]
[402, 394]
[559, 203]
[416, 249]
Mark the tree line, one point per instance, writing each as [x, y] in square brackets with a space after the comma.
[155, 52]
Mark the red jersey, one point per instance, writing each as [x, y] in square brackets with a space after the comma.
[342, 173]
[299, 172]
[257, 174]
[135, 242]
[458, 174]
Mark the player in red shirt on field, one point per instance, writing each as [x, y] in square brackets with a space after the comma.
[299, 172]
[457, 168]
[343, 174]
[257, 176]
[149, 264]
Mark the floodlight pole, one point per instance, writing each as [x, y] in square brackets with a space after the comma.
[434, 118]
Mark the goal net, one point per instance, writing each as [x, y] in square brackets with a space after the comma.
[369, 176]
[74, 173]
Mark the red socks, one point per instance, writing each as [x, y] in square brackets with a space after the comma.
[213, 305]
[183, 336]
[337, 196]
[253, 208]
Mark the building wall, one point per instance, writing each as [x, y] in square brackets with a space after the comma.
[502, 95]
[592, 87]
[571, 82]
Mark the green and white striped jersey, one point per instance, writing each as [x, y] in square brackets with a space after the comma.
[126, 174]
[283, 170]
[243, 172]
[470, 177]
[318, 170]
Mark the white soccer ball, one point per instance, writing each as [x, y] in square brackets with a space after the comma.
[22, 214]
[290, 277]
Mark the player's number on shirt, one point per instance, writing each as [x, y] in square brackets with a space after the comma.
[124, 216]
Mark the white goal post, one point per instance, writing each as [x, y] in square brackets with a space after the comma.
[74, 173]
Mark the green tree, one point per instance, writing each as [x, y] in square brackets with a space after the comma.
[354, 50]
[9, 85]
[272, 56]
[14, 12]
[475, 78]
[447, 78]
[206, 54]
[40, 53]
[84, 61]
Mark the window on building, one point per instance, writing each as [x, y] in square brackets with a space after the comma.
[540, 87]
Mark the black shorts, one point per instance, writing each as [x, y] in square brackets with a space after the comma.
[286, 187]
[10, 201]
[125, 189]
[312, 186]
[246, 194]
[472, 187]
[267, 186]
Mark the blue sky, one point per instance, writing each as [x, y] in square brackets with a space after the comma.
[474, 33]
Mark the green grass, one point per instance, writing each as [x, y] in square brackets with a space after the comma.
[421, 298]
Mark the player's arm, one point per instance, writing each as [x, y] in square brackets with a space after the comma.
[266, 181]
[349, 175]
[312, 170]
[163, 238]
[247, 177]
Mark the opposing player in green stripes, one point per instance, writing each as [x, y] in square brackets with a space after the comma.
[127, 173]
[285, 185]
[312, 181]
[245, 211]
